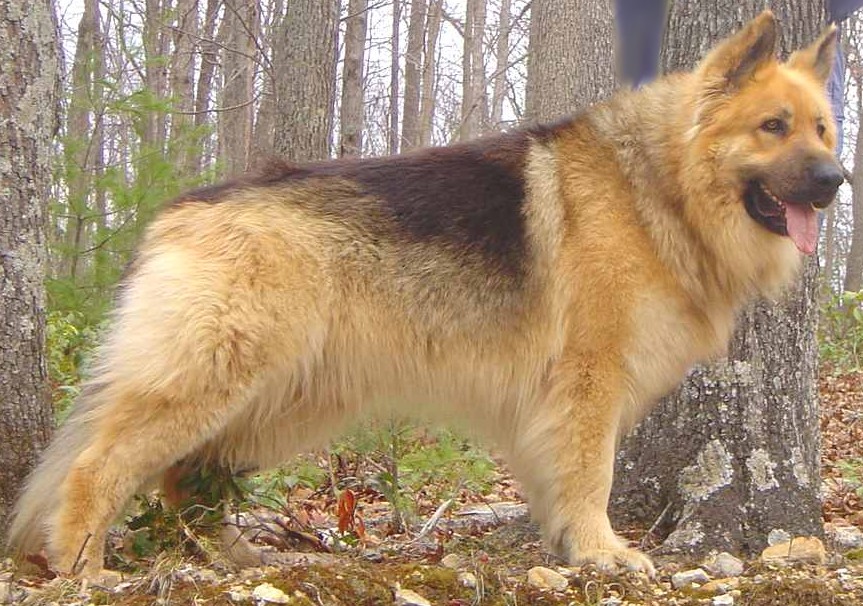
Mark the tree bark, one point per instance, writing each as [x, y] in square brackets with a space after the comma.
[427, 97]
[501, 56]
[393, 138]
[209, 60]
[29, 88]
[474, 105]
[734, 453]
[236, 112]
[854, 263]
[413, 70]
[353, 81]
[155, 75]
[265, 120]
[569, 62]
[306, 78]
[183, 143]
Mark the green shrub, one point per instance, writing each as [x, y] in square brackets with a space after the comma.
[840, 333]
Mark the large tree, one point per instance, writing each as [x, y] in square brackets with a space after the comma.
[734, 453]
[28, 96]
[305, 65]
[569, 57]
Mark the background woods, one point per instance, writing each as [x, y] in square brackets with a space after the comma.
[161, 95]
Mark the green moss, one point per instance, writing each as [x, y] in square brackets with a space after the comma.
[792, 592]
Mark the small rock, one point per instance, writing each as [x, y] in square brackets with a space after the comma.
[546, 578]
[267, 594]
[809, 550]
[611, 601]
[723, 565]
[406, 597]
[453, 561]
[206, 575]
[239, 594]
[688, 577]
[719, 586]
[467, 579]
[250, 574]
[723, 600]
[777, 536]
[844, 537]
[5, 590]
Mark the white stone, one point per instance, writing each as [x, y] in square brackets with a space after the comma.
[546, 578]
[239, 594]
[724, 565]
[844, 537]
[777, 536]
[206, 575]
[467, 579]
[406, 597]
[722, 600]
[267, 594]
[685, 578]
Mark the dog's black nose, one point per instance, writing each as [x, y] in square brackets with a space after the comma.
[827, 177]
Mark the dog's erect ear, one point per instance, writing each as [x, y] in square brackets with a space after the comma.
[817, 58]
[737, 58]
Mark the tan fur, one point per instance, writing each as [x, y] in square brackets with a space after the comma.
[253, 328]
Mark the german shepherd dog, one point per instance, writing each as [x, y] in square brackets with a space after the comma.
[546, 285]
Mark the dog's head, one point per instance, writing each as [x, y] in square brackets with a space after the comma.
[768, 130]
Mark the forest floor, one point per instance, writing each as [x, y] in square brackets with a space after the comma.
[480, 549]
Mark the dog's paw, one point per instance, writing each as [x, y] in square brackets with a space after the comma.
[615, 560]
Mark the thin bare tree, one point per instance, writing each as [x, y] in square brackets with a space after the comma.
[413, 73]
[352, 112]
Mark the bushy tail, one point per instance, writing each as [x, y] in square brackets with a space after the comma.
[40, 498]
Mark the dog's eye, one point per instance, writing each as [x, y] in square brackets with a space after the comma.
[775, 126]
[821, 130]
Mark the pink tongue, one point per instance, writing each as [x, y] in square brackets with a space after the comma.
[802, 224]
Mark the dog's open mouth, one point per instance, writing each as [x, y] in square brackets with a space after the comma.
[797, 221]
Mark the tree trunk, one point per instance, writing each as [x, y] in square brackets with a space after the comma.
[427, 97]
[393, 138]
[209, 60]
[265, 120]
[854, 264]
[79, 145]
[473, 102]
[184, 145]
[569, 63]
[306, 79]
[29, 86]
[413, 69]
[501, 56]
[734, 453]
[236, 112]
[353, 81]
[155, 75]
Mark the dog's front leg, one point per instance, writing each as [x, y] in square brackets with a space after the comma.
[566, 460]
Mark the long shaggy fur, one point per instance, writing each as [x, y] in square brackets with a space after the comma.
[544, 285]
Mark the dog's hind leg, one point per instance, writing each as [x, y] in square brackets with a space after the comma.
[139, 434]
[192, 347]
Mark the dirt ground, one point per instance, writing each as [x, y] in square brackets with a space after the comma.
[477, 550]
